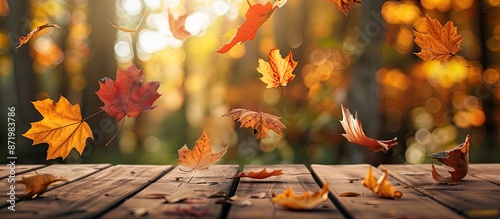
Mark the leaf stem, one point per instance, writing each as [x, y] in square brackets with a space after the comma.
[467, 66]
[100, 111]
[117, 131]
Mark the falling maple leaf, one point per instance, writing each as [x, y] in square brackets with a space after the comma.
[440, 43]
[256, 15]
[345, 5]
[354, 133]
[306, 201]
[260, 122]
[259, 175]
[129, 30]
[24, 39]
[177, 26]
[127, 95]
[62, 128]
[278, 71]
[456, 158]
[201, 156]
[382, 187]
[38, 184]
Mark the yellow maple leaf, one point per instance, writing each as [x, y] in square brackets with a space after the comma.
[440, 43]
[62, 128]
[382, 187]
[306, 201]
[38, 184]
[278, 71]
[201, 157]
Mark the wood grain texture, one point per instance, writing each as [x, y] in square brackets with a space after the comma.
[19, 168]
[89, 196]
[73, 172]
[470, 195]
[296, 176]
[178, 185]
[487, 171]
[348, 178]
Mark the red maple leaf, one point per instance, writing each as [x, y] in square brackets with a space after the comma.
[127, 95]
[256, 15]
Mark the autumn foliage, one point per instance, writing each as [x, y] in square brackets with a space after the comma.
[278, 71]
[456, 158]
[201, 156]
[259, 122]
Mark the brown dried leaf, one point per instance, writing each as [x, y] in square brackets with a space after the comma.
[345, 5]
[260, 122]
[24, 39]
[354, 133]
[38, 184]
[456, 158]
[259, 175]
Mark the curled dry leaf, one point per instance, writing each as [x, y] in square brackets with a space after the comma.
[62, 128]
[345, 5]
[355, 134]
[349, 194]
[259, 175]
[440, 43]
[382, 187]
[38, 184]
[125, 29]
[278, 71]
[306, 201]
[177, 26]
[256, 15]
[24, 39]
[201, 157]
[456, 158]
[260, 122]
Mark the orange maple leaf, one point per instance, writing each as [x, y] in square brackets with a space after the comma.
[345, 5]
[177, 26]
[382, 187]
[256, 15]
[456, 158]
[306, 201]
[260, 122]
[24, 39]
[440, 43]
[37, 184]
[201, 157]
[278, 71]
[62, 128]
[354, 133]
[260, 174]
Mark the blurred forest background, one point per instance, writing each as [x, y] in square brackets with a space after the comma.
[364, 61]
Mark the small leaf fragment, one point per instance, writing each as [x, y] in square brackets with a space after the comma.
[344, 5]
[37, 184]
[306, 201]
[24, 39]
[260, 174]
[350, 194]
[382, 187]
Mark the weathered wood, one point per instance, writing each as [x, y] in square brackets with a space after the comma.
[470, 197]
[72, 172]
[19, 169]
[348, 178]
[89, 196]
[296, 177]
[487, 171]
[178, 185]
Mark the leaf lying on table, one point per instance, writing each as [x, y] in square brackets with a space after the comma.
[456, 158]
[62, 128]
[201, 157]
[177, 26]
[382, 187]
[127, 96]
[37, 184]
[260, 122]
[24, 39]
[440, 43]
[259, 175]
[278, 71]
[306, 201]
[256, 15]
[345, 5]
[355, 134]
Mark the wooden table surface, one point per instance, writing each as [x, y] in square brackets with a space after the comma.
[164, 191]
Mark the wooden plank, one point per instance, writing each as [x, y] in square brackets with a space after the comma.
[90, 196]
[486, 171]
[178, 185]
[5, 170]
[296, 177]
[471, 197]
[348, 178]
[73, 172]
